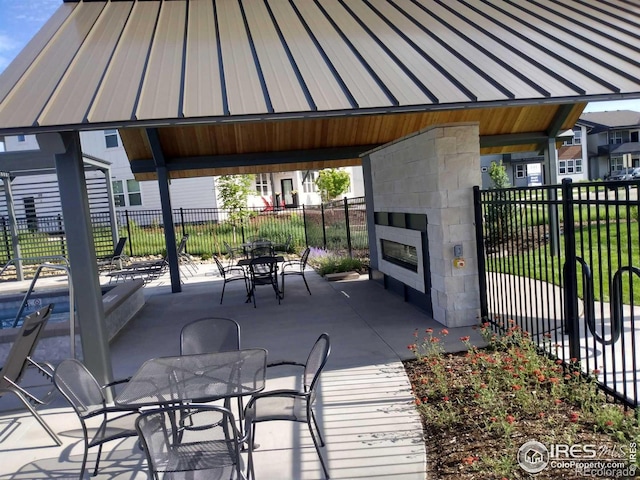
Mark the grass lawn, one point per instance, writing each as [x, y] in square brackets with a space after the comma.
[481, 406]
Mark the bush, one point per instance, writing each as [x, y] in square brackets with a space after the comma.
[336, 264]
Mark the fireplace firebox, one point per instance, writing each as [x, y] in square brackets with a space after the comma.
[405, 256]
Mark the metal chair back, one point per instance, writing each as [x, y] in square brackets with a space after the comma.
[180, 440]
[209, 335]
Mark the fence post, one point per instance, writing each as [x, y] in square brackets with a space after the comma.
[126, 218]
[63, 236]
[570, 272]
[5, 235]
[304, 222]
[482, 266]
[346, 222]
[324, 231]
[182, 227]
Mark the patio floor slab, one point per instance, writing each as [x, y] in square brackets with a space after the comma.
[365, 407]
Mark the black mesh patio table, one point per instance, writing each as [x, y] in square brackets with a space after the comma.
[195, 378]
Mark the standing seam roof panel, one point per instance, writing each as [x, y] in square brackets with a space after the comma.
[202, 86]
[478, 85]
[428, 74]
[22, 62]
[284, 89]
[161, 91]
[398, 82]
[21, 109]
[519, 63]
[118, 93]
[595, 8]
[588, 31]
[241, 75]
[325, 90]
[360, 83]
[70, 101]
[517, 85]
[583, 60]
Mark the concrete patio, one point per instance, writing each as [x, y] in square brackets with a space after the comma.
[365, 408]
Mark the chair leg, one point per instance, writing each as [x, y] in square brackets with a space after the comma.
[223, 285]
[95, 470]
[35, 414]
[305, 283]
[315, 443]
[283, 275]
[315, 423]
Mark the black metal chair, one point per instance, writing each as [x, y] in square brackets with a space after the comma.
[209, 445]
[264, 271]
[296, 267]
[261, 249]
[230, 274]
[293, 405]
[211, 335]
[232, 253]
[20, 358]
[88, 400]
[184, 257]
[283, 248]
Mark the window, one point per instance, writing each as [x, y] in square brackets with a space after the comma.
[309, 181]
[568, 167]
[111, 138]
[634, 136]
[617, 163]
[616, 137]
[133, 188]
[576, 139]
[521, 171]
[262, 184]
[21, 138]
[132, 193]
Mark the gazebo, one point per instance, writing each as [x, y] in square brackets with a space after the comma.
[211, 87]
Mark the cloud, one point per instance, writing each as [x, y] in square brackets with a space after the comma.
[7, 43]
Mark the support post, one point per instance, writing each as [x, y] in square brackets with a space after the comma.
[167, 216]
[371, 221]
[82, 258]
[551, 178]
[570, 272]
[115, 231]
[13, 227]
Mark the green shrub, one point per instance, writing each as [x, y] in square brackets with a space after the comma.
[336, 264]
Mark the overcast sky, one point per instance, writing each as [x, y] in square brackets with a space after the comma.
[21, 19]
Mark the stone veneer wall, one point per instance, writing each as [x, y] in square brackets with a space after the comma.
[432, 172]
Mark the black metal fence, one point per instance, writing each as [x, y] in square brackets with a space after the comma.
[337, 226]
[562, 262]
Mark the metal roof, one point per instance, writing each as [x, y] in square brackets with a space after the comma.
[612, 119]
[240, 86]
[98, 63]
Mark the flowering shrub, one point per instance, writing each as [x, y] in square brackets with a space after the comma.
[478, 407]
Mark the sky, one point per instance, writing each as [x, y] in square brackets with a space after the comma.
[20, 20]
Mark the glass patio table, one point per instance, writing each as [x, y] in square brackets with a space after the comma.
[195, 378]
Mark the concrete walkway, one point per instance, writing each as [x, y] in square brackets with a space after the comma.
[365, 408]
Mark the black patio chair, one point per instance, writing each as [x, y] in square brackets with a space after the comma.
[232, 253]
[261, 249]
[296, 267]
[20, 358]
[230, 274]
[184, 258]
[209, 446]
[88, 400]
[292, 405]
[264, 271]
[212, 335]
[283, 248]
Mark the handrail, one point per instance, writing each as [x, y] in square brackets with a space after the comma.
[617, 315]
[20, 259]
[72, 323]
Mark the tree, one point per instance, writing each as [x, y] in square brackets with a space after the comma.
[332, 182]
[500, 211]
[234, 190]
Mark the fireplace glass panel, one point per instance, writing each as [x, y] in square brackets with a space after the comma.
[400, 254]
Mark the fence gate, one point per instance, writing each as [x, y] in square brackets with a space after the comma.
[563, 263]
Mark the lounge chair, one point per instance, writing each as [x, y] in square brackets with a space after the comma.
[115, 260]
[20, 357]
